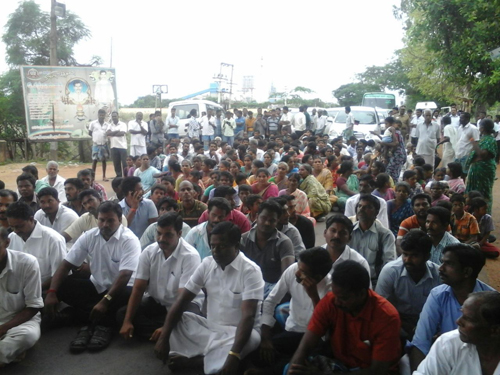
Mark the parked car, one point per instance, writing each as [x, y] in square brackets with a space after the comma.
[368, 117]
[182, 109]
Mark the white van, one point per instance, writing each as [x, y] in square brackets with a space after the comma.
[183, 107]
[426, 105]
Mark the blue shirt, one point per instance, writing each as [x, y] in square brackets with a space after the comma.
[147, 210]
[198, 238]
[437, 251]
[439, 315]
[240, 124]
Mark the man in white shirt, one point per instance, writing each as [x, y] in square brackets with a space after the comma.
[321, 123]
[21, 296]
[466, 131]
[428, 134]
[172, 124]
[118, 141]
[234, 289]
[416, 120]
[52, 213]
[473, 348]
[299, 122]
[349, 123]
[114, 252]
[208, 127]
[100, 152]
[164, 269]
[307, 282]
[138, 130]
[29, 236]
[455, 117]
[54, 180]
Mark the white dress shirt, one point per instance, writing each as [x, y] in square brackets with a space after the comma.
[167, 276]
[350, 209]
[59, 186]
[65, 216]
[428, 137]
[99, 132]
[85, 223]
[464, 145]
[206, 125]
[107, 258]
[350, 254]
[416, 121]
[451, 356]
[172, 121]
[137, 139]
[118, 142]
[241, 280]
[299, 122]
[46, 245]
[20, 285]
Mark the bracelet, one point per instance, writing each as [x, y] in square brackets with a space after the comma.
[133, 209]
[237, 355]
[51, 291]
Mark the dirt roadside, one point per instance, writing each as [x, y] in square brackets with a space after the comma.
[9, 172]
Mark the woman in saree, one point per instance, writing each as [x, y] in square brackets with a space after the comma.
[481, 163]
[399, 208]
[145, 173]
[301, 201]
[347, 183]
[269, 165]
[281, 180]
[207, 168]
[263, 187]
[247, 165]
[319, 201]
[256, 165]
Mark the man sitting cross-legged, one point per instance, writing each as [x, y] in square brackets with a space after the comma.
[164, 269]
[234, 289]
[114, 254]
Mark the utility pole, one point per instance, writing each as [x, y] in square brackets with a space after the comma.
[53, 62]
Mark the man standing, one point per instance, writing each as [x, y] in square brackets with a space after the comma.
[405, 121]
[415, 121]
[52, 213]
[118, 141]
[249, 124]
[72, 188]
[157, 129]
[467, 133]
[172, 125]
[234, 290]
[373, 241]
[428, 134]
[228, 126]
[29, 236]
[208, 126]
[53, 179]
[100, 152]
[7, 197]
[114, 252]
[437, 224]
[299, 122]
[349, 123]
[164, 269]
[21, 296]
[321, 122]
[138, 130]
[240, 122]
[455, 117]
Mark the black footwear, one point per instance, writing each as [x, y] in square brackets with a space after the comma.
[100, 339]
[63, 318]
[79, 344]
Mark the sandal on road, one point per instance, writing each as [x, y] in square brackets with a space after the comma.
[100, 339]
[79, 344]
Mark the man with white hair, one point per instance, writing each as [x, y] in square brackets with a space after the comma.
[54, 180]
[428, 134]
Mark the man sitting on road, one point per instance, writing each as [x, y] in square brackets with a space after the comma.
[7, 197]
[54, 180]
[73, 187]
[26, 187]
[437, 223]
[139, 212]
[303, 224]
[420, 204]
[21, 296]
[288, 229]
[269, 248]
[234, 289]
[190, 208]
[87, 176]
[407, 281]
[473, 348]
[114, 252]
[52, 213]
[29, 236]
[363, 326]
[459, 270]
[164, 269]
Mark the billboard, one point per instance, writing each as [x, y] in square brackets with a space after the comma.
[60, 101]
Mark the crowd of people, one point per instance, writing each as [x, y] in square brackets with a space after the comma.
[207, 247]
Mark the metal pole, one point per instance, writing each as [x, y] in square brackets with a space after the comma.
[53, 61]
[231, 86]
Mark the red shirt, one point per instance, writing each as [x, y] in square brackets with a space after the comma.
[235, 216]
[373, 335]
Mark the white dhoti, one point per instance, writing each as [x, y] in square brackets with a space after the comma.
[19, 339]
[429, 159]
[194, 335]
[137, 150]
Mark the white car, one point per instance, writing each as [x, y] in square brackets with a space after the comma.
[182, 109]
[368, 118]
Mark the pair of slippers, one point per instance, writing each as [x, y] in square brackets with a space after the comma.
[92, 340]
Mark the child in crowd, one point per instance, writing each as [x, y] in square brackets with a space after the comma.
[410, 177]
[169, 183]
[463, 225]
[437, 191]
[240, 179]
[383, 184]
[469, 197]
[243, 192]
[438, 176]
[455, 181]
[479, 207]
[428, 172]
[420, 176]
[253, 203]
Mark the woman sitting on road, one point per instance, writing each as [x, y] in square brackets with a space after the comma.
[281, 180]
[399, 208]
[301, 201]
[347, 183]
[319, 201]
[263, 187]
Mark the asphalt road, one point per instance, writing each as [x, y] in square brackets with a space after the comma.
[51, 354]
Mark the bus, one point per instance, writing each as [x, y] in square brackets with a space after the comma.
[379, 99]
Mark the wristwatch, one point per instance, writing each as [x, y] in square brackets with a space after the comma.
[108, 297]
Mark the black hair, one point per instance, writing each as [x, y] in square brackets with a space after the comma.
[258, 163]
[19, 210]
[229, 231]
[173, 165]
[129, 183]
[345, 166]
[427, 168]
[442, 214]
[271, 207]
[351, 276]
[318, 260]
[228, 175]
[26, 177]
[477, 203]
[86, 192]
[48, 191]
[252, 198]
[2, 185]
[171, 219]
[340, 219]
[244, 187]
[418, 161]
[457, 198]
[380, 166]
[455, 169]
[409, 174]
[418, 241]
[4, 234]
[85, 172]
[158, 186]
[9, 193]
[220, 203]
[427, 197]
[225, 163]
[382, 180]
[487, 125]
[370, 198]
[446, 120]
[164, 178]
[404, 184]
[444, 204]
[223, 191]
[108, 206]
[468, 256]
[171, 203]
[210, 163]
[31, 169]
[76, 182]
[489, 307]
[263, 170]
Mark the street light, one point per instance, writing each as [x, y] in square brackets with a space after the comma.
[158, 90]
[226, 65]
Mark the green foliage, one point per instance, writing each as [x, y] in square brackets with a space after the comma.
[352, 93]
[149, 101]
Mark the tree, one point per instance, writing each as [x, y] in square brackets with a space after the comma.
[352, 93]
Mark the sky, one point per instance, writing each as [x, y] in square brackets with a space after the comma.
[319, 45]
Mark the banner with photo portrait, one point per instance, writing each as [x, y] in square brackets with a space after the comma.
[60, 101]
